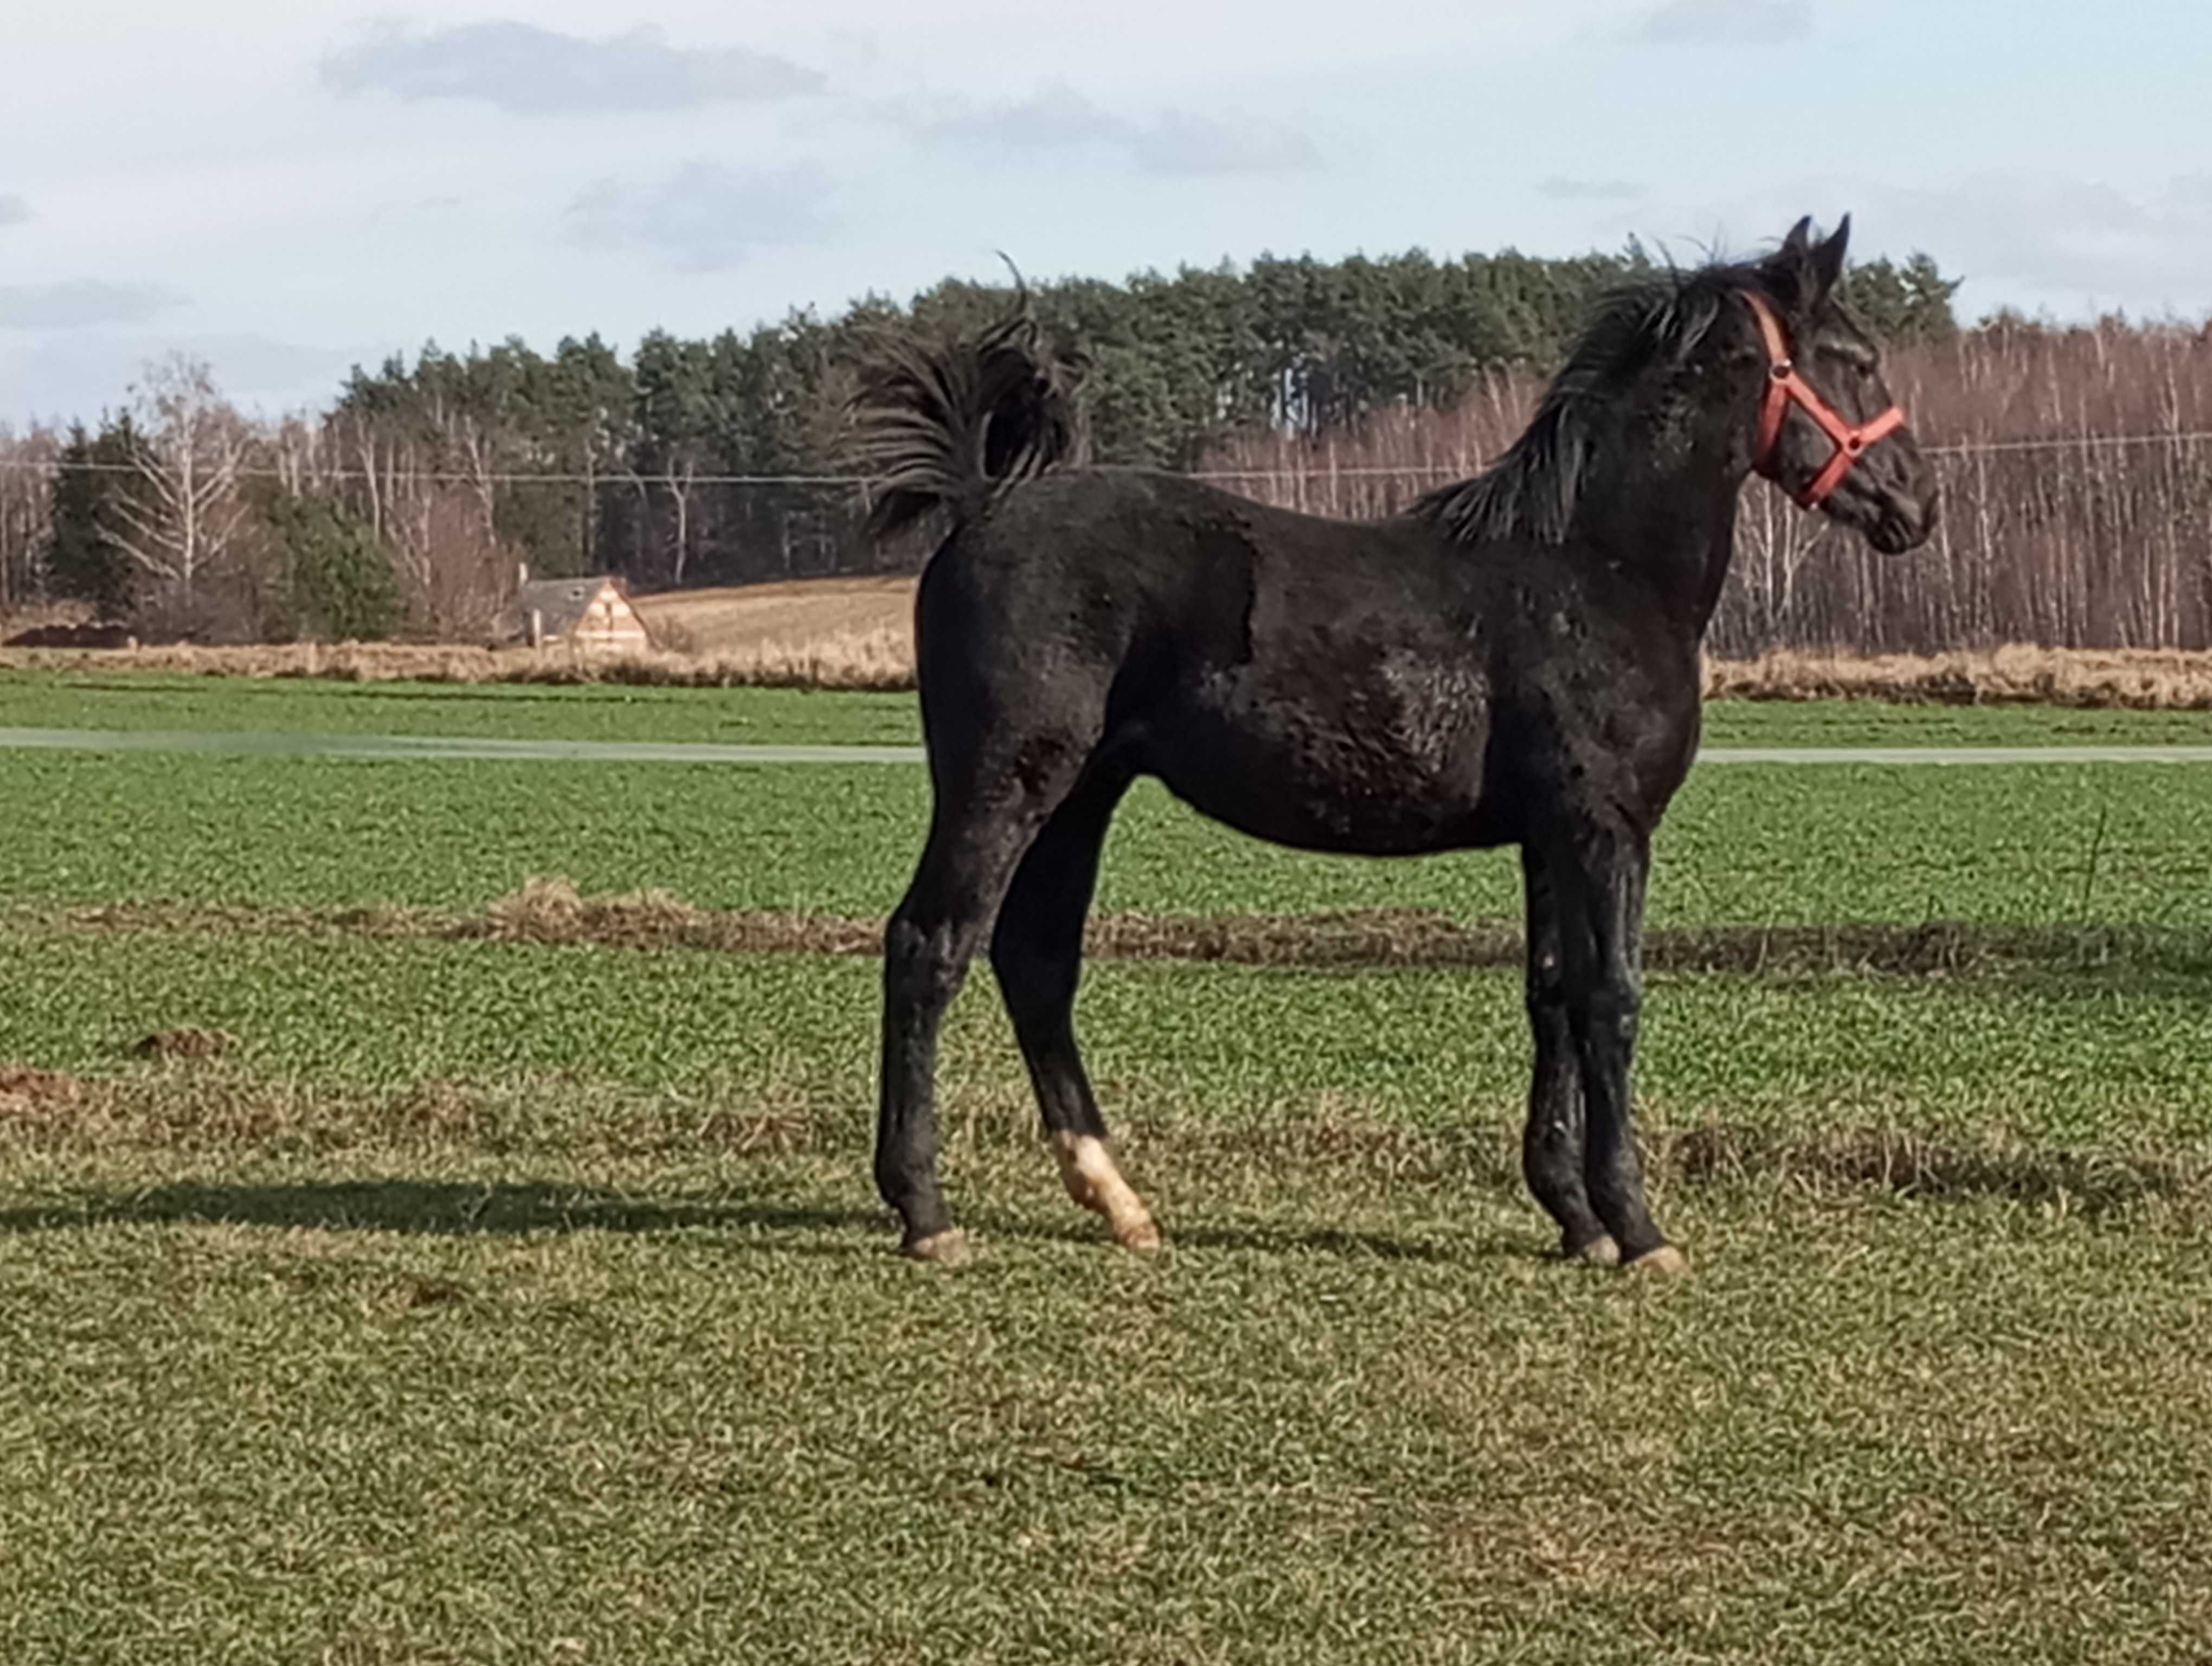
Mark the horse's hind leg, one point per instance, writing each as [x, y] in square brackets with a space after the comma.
[975, 843]
[1552, 1140]
[1037, 953]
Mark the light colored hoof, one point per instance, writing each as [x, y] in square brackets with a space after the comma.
[1666, 1259]
[947, 1248]
[1088, 1170]
[1143, 1236]
[1598, 1252]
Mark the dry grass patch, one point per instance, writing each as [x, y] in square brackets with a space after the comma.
[848, 660]
[856, 634]
[2144, 679]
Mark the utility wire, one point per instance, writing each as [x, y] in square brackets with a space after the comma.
[1307, 471]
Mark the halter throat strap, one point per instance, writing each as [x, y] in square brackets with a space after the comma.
[1784, 388]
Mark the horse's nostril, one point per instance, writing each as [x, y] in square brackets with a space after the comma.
[1907, 510]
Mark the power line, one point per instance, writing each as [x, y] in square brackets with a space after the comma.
[497, 477]
[1311, 470]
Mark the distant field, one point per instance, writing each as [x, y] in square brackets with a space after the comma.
[431, 1294]
[735, 619]
[856, 633]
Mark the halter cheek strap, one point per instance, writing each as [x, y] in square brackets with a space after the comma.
[1784, 388]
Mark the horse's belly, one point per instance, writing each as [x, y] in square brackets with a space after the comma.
[1329, 791]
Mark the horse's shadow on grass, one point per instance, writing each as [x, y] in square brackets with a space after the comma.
[440, 1208]
[458, 1209]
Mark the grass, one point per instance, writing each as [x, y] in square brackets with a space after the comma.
[2067, 1058]
[491, 1299]
[2044, 843]
[158, 699]
[406, 1405]
[505, 710]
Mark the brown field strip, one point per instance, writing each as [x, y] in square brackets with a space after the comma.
[855, 632]
[552, 911]
[881, 660]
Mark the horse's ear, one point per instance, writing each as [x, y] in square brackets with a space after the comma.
[1826, 262]
[1798, 270]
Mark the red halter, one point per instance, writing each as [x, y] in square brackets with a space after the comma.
[1785, 387]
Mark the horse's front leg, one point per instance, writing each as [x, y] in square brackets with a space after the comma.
[1552, 1139]
[1601, 873]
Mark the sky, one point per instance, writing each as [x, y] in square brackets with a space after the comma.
[286, 188]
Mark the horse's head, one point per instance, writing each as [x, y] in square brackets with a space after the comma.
[1828, 432]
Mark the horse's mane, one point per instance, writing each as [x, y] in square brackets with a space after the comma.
[1531, 493]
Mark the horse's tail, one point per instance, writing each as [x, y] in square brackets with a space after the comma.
[952, 424]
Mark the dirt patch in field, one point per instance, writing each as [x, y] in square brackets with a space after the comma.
[552, 910]
[188, 1041]
[26, 1092]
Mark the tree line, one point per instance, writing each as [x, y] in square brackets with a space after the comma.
[411, 501]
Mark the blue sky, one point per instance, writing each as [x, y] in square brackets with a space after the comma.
[287, 187]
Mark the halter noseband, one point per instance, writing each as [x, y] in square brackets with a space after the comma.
[1785, 387]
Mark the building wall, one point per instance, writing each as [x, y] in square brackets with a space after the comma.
[610, 625]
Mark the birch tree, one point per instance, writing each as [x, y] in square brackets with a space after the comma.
[27, 494]
[188, 506]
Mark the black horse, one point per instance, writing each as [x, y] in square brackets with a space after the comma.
[1512, 661]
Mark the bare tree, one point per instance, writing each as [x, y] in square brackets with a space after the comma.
[26, 492]
[187, 508]
[302, 452]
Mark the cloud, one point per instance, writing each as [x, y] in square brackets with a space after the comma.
[1566, 190]
[1726, 22]
[2054, 242]
[705, 215]
[13, 210]
[2147, 247]
[521, 68]
[82, 302]
[80, 372]
[1173, 141]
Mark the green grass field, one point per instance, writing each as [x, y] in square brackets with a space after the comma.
[491, 1300]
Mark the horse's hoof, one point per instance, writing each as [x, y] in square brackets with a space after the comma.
[1600, 1251]
[1142, 1236]
[1088, 1170]
[947, 1248]
[1666, 1260]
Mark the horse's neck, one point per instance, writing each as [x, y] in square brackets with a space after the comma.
[1720, 549]
[1677, 532]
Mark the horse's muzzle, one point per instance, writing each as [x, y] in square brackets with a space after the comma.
[1905, 523]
